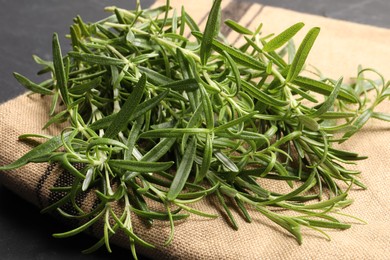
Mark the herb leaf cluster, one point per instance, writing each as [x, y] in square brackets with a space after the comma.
[160, 113]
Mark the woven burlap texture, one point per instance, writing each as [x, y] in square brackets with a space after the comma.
[339, 49]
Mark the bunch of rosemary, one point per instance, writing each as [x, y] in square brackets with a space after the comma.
[158, 117]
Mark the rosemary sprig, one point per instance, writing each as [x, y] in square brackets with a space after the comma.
[156, 117]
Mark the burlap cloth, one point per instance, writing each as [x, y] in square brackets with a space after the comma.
[340, 47]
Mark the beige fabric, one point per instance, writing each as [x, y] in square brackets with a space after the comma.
[339, 49]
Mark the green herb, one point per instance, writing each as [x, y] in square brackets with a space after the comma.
[157, 118]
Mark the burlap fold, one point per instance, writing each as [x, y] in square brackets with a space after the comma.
[339, 49]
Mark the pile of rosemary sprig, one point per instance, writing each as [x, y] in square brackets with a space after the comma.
[157, 117]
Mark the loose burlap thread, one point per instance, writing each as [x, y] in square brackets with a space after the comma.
[339, 49]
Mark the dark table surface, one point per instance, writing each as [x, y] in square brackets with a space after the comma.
[26, 28]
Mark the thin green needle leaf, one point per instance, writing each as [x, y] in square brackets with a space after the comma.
[173, 132]
[80, 228]
[159, 150]
[327, 224]
[211, 31]
[39, 151]
[122, 117]
[80, 89]
[323, 88]
[381, 116]
[140, 110]
[59, 69]
[236, 72]
[234, 122]
[105, 141]
[303, 94]
[140, 166]
[31, 85]
[281, 39]
[97, 59]
[284, 221]
[329, 102]
[309, 122]
[158, 215]
[273, 56]
[227, 210]
[129, 232]
[302, 53]
[229, 164]
[359, 123]
[207, 108]
[262, 96]
[237, 27]
[326, 203]
[237, 55]
[155, 77]
[292, 136]
[58, 118]
[183, 85]
[309, 183]
[206, 160]
[195, 211]
[183, 171]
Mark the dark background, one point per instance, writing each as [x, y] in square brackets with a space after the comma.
[26, 28]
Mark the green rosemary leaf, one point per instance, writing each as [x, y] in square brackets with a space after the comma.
[31, 85]
[234, 122]
[80, 89]
[285, 222]
[191, 23]
[105, 141]
[159, 150]
[303, 94]
[96, 59]
[336, 115]
[238, 56]
[140, 110]
[47, 64]
[173, 132]
[155, 77]
[183, 171]
[60, 117]
[358, 123]
[229, 164]
[326, 203]
[59, 70]
[302, 53]
[237, 27]
[122, 117]
[206, 159]
[229, 214]
[140, 166]
[281, 39]
[80, 228]
[309, 183]
[207, 108]
[211, 31]
[158, 215]
[381, 116]
[183, 85]
[235, 71]
[329, 102]
[327, 224]
[262, 96]
[309, 122]
[39, 151]
[323, 88]
[273, 56]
